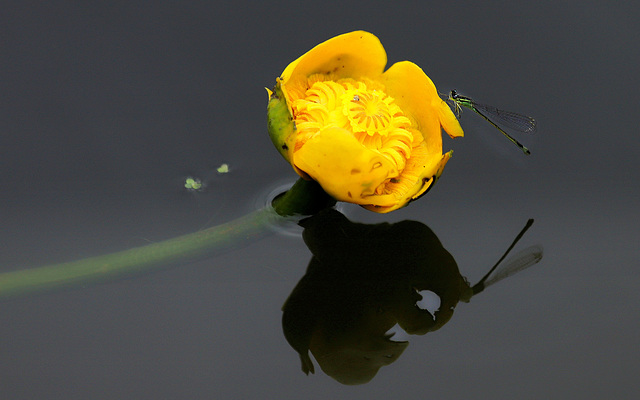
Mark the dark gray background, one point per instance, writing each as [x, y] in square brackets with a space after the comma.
[105, 108]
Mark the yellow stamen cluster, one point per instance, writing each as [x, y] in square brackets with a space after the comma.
[360, 107]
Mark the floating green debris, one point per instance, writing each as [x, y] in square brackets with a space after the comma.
[223, 169]
[193, 184]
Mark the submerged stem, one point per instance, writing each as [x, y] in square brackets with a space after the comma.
[171, 251]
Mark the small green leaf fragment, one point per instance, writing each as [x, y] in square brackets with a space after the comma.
[223, 169]
[193, 184]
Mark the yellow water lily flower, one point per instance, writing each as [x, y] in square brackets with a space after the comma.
[367, 136]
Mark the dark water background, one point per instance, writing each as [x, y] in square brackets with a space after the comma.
[106, 107]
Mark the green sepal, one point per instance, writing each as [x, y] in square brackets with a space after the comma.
[282, 129]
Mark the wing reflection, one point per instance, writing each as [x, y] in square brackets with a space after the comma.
[362, 281]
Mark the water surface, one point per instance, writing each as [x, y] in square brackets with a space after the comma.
[106, 109]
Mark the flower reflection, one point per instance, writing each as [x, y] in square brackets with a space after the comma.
[362, 281]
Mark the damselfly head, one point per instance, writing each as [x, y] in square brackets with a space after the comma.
[453, 98]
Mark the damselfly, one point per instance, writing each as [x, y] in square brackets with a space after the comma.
[497, 117]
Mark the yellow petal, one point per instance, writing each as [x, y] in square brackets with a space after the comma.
[351, 55]
[416, 94]
[448, 120]
[419, 188]
[344, 168]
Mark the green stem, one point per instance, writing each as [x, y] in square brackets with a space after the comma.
[187, 247]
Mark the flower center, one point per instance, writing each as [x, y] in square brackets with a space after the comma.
[360, 107]
[367, 112]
